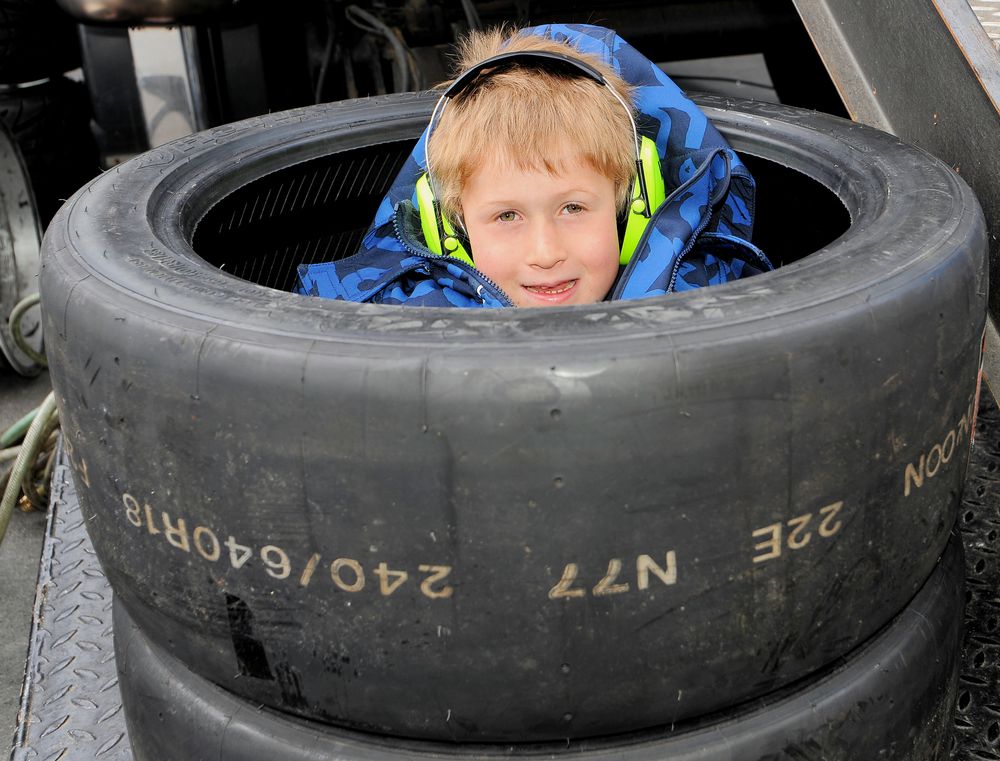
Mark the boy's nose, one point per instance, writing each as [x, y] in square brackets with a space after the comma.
[547, 249]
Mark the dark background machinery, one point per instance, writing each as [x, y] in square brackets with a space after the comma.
[243, 58]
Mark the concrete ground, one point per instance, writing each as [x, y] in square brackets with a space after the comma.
[19, 561]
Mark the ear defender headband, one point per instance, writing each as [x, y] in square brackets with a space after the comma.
[647, 193]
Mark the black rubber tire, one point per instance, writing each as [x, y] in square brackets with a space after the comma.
[51, 123]
[20, 243]
[37, 40]
[892, 699]
[798, 442]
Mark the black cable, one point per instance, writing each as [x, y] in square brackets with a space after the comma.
[327, 52]
[418, 76]
[365, 21]
[471, 15]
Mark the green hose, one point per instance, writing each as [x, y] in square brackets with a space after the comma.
[35, 428]
[15, 328]
[34, 440]
[16, 432]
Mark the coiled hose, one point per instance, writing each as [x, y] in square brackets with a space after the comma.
[36, 454]
[16, 314]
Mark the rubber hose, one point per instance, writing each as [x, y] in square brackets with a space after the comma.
[15, 328]
[29, 451]
[16, 432]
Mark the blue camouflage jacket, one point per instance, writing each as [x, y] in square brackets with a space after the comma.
[699, 236]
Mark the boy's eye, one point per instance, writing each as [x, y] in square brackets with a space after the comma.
[506, 216]
[572, 208]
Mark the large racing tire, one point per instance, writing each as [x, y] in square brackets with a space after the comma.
[510, 525]
[20, 240]
[891, 699]
[51, 123]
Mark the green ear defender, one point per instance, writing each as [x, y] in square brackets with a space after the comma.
[438, 231]
[647, 194]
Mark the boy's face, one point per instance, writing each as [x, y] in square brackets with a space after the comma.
[545, 239]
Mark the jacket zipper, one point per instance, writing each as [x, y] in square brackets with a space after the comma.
[761, 259]
[417, 250]
[684, 252]
[705, 167]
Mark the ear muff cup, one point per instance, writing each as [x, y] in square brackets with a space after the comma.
[639, 213]
[439, 234]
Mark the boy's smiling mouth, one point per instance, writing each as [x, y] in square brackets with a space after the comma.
[551, 290]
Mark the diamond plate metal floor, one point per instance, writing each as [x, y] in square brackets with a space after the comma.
[977, 722]
[71, 709]
[71, 706]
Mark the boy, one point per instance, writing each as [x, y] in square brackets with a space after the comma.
[540, 199]
[514, 194]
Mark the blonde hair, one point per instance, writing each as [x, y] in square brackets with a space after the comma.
[532, 117]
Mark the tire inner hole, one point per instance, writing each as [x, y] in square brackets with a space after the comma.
[319, 211]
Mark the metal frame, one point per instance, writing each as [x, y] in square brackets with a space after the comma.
[928, 72]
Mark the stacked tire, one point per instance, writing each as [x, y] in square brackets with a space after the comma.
[716, 525]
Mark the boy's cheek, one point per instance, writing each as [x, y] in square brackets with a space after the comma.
[490, 256]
